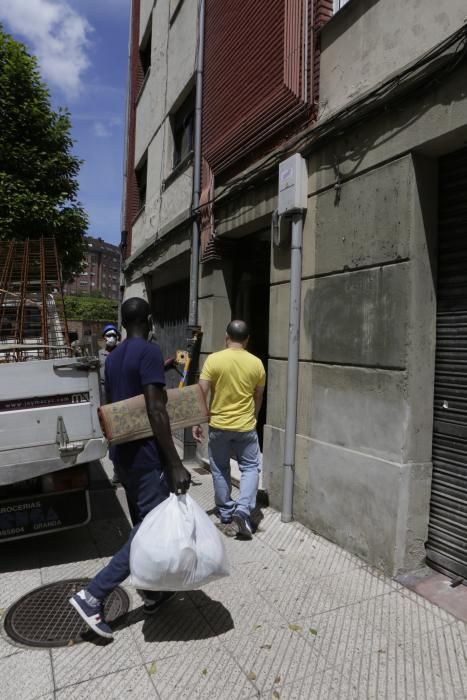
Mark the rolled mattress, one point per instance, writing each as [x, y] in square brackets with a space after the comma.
[125, 421]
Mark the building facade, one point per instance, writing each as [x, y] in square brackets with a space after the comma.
[101, 271]
[159, 164]
[372, 94]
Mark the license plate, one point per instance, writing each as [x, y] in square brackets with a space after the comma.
[22, 517]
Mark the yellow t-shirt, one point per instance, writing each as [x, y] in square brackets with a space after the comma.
[234, 375]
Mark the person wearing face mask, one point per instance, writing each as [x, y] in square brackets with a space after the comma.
[111, 337]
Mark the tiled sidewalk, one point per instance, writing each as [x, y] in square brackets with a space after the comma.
[299, 618]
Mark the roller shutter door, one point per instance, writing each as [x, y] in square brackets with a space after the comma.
[447, 536]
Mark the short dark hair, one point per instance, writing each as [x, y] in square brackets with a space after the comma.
[237, 331]
[135, 310]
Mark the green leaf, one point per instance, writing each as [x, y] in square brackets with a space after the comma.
[91, 308]
[204, 671]
[38, 169]
[153, 668]
[313, 631]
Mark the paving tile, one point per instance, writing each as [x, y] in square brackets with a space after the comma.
[134, 682]
[317, 596]
[26, 676]
[276, 572]
[225, 590]
[430, 667]
[427, 605]
[246, 551]
[7, 648]
[275, 656]
[212, 676]
[437, 588]
[246, 615]
[13, 585]
[177, 628]
[232, 639]
[79, 569]
[201, 490]
[373, 625]
[88, 660]
[286, 537]
[435, 663]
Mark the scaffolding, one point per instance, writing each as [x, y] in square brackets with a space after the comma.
[32, 314]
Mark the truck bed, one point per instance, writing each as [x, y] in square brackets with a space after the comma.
[48, 417]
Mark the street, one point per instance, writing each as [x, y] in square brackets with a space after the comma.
[299, 617]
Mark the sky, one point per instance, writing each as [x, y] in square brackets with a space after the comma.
[82, 48]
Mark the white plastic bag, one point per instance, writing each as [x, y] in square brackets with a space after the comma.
[177, 548]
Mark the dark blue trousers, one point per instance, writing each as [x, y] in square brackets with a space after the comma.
[145, 488]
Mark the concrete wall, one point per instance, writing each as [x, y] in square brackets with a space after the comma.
[364, 433]
[366, 350]
[370, 39]
[214, 311]
[173, 60]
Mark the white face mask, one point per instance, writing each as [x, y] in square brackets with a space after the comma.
[111, 341]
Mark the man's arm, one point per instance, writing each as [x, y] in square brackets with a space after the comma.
[258, 399]
[156, 398]
[197, 430]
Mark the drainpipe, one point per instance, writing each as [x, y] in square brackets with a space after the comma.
[292, 367]
[193, 303]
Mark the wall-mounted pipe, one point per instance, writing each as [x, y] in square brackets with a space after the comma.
[292, 367]
[194, 264]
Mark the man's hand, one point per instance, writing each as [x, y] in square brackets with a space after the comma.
[178, 477]
[197, 432]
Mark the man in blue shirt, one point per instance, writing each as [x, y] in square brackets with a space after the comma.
[149, 469]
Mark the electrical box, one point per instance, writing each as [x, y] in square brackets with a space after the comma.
[293, 180]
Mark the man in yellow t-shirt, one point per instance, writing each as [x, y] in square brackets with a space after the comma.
[236, 379]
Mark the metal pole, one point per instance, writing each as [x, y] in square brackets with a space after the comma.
[193, 303]
[292, 367]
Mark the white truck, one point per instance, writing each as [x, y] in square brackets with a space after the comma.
[49, 429]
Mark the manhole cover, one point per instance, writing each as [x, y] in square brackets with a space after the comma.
[45, 618]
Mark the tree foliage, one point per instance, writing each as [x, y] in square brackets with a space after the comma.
[38, 172]
[91, 308]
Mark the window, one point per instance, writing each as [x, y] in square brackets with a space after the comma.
[182, 129]
[141, 173]
[339, 4]
[145, 51]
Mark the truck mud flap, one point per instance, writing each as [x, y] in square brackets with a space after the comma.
[39, 515]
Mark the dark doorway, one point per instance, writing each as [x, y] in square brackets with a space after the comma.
[250, 299]
[169, 307]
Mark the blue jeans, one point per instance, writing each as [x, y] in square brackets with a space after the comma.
[244, 447]
[145, 488]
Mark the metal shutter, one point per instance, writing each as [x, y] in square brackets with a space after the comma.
[447, 536]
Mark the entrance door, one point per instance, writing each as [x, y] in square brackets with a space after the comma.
[169, 306]
[251, 275]
[447, 535]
